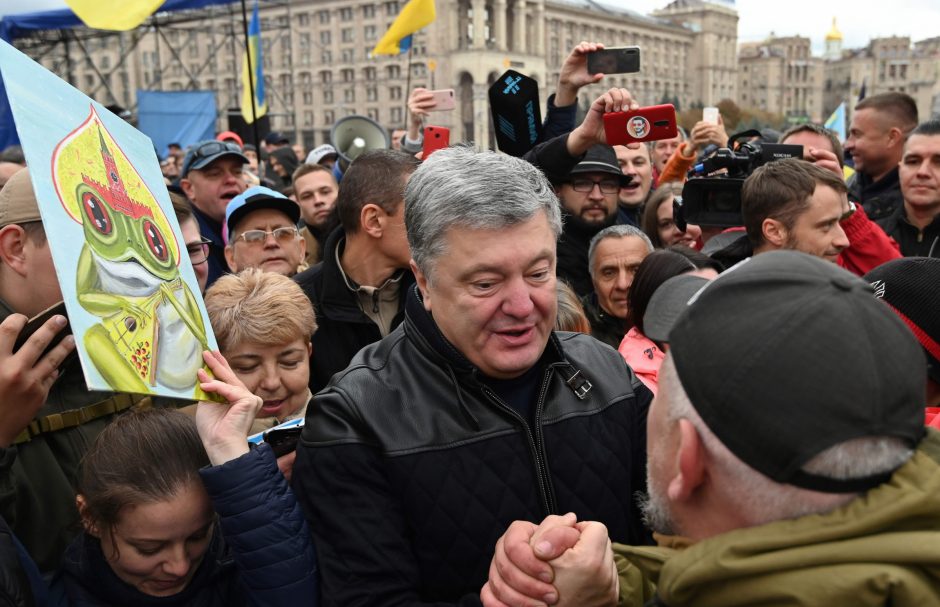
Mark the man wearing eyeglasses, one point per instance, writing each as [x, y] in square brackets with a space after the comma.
[262, 232]
[197, 246]
[589, 204]
[211, 176]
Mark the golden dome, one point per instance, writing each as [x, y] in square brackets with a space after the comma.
[834, 33]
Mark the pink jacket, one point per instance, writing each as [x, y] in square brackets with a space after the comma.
[643, 356]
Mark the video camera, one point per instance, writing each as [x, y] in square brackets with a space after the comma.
[715, 200]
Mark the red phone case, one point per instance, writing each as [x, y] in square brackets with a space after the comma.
[645, 124]
[435, 138]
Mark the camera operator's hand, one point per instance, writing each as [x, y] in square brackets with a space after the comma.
[704, 133]
[591, 131]
[224, 428]
[574, 74]
[824, 159]
[420, 101]
[25, 375]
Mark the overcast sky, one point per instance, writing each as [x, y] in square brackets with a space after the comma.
[859, 20]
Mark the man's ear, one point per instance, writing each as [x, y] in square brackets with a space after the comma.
[187, 186]
[370, 220]
[422, 281]
[230, 257]
[896, 137]
[90, 527]
[774, 232]
[690, 455]
[12, 248]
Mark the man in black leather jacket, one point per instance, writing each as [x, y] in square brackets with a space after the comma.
[473, 412]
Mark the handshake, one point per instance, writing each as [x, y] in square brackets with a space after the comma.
[559, 562]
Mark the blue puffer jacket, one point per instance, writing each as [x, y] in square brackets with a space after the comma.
[260, 555]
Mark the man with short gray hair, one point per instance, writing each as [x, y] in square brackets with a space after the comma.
[473, 412]
[613, 258]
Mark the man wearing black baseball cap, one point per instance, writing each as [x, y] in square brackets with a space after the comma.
[786, 457]
[211, 176]
[588, 198]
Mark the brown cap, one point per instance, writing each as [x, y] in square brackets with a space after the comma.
[18, 201]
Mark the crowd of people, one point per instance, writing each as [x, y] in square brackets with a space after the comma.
[522, 380]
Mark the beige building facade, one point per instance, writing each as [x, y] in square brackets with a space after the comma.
[318, 66]
[781, 76]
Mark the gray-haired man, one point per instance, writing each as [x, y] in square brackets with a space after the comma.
[473, 412]
[614, 255]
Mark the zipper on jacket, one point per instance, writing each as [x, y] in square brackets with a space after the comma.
[375, 301]
[535, 440]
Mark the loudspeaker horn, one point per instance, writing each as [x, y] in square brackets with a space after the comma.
[353, 135]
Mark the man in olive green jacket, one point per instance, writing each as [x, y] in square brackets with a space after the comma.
[48, 418]
[787, 464]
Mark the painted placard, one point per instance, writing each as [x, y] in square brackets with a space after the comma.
[132, 298]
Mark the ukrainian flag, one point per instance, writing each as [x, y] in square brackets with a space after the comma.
[415, 15]
[836, 122]
[251, 64]
[116, 15]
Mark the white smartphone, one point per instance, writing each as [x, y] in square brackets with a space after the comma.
[710, 115]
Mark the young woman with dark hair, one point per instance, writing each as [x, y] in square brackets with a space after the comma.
[642, 354]
[177, 512]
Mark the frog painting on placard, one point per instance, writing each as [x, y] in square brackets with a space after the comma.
[132, 298]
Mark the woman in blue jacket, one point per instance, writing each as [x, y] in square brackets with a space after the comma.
[169, 520]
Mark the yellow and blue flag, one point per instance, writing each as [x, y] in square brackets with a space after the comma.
[415, 15]
[116, 15]
[836, 122]
[251, 64]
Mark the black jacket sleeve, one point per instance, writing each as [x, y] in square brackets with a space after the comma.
[553, 159]
[358, 522]
[558, 120]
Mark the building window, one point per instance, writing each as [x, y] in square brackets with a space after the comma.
[348, 55]
[308, 118]
[308, 97]
[326, 76]
[348, 34]
[370, 32]
[345, 14]
[325, 37]
[391, 8]
[394, 92]
[368, 11]
[396, 115]
[326, 56]
[374, 114]
[394, 72]
[328, 117]
[328, 96]
[349, 95]
[372, 93]
[369, 74]
[303, 19]
[324, 17]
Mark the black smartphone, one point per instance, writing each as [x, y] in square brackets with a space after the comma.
[616, 60]
[283, 440]
[33, 324]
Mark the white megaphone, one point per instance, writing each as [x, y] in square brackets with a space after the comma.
[353, 135]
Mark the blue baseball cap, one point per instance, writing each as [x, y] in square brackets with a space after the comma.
[253, 199]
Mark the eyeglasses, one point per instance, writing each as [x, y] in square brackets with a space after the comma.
[206, 150]
[607, 186]
[198, 251]
[258, 237]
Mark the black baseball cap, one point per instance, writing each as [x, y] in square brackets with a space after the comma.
[204, 153]
[600, 159]
[668, 302]
[911, 287]
[786, 355]
[275, 137]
